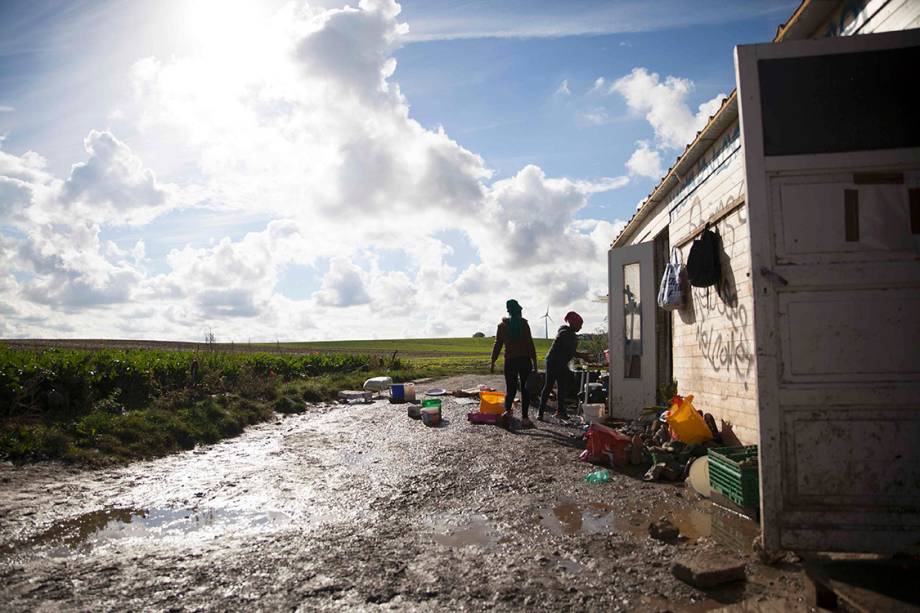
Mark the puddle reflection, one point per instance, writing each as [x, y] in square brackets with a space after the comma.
[477, 533]
[97, 528]
[570, 518]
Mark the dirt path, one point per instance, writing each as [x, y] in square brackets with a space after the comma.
[360, 507]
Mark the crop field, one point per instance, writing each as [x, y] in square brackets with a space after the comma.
[97, 405]
[456, 354]
[99, 401]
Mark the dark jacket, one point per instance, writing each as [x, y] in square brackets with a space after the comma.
[563, 348]
[521, 348]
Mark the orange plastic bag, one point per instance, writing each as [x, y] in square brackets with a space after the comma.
[686, 424]
[491, 403]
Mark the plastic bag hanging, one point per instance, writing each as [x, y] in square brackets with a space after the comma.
[670, 293]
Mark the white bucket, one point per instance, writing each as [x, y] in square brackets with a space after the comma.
[595, 412]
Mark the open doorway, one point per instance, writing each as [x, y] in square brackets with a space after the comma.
[664, 366]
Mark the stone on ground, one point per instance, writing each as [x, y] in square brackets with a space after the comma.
[706, 569]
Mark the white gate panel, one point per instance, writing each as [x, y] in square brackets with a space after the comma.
[832, 162]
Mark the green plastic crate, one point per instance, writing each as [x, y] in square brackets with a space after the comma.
[740, 484]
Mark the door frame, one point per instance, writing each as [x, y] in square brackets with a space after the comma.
[759, 169]
[627, 397]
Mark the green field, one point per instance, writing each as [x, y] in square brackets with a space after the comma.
[102, 401]
[457, 354]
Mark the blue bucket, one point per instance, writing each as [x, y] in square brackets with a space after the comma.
[397, 393]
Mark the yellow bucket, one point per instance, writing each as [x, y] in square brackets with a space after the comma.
[491, 403]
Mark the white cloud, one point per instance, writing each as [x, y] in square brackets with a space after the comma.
[645, 162]
[5, 108]
[595, 116]
[343, 286]
[563, 88]
[113, 184]
[598, 85]
[664, 105]
[303, 126]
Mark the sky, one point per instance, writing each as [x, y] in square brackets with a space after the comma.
[274, 170]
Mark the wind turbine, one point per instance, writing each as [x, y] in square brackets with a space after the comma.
[546, 319]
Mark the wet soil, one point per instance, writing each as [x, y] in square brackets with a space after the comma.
[360, 507]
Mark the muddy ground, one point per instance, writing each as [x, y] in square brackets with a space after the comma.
[358, 507]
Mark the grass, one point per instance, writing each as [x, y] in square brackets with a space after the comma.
[453, 355]
[87, 402]
[107, 406]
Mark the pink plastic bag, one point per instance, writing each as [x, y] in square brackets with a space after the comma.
[483, 418]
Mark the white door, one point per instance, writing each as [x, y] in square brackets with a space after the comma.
[831, 138]
[633, 291]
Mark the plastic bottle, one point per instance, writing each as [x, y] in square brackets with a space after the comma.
[598, 476]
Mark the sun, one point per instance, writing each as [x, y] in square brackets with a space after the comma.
[222, 26]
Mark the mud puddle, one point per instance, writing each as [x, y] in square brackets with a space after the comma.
[569, 519]
[700, 520]
[97, 529]
[477, 532]
[707, 520]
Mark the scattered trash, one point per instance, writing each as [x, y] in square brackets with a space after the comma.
[606, 446]
[402, 392]
[472, 392]
[706, 570]
[594, 412]
[686, 423]
[664, 530]
[699, 477]
[431, 416]
[491, 402]
[662, 472]
[598, 476]
[378, 384]
[436, 391]
[483, 418]
[357, 396]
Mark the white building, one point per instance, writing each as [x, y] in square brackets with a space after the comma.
[810, 346]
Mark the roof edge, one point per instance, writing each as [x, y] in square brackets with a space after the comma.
[703, 140]
[796, 27]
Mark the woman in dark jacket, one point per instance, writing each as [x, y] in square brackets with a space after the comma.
[563, 349]
[520, 359]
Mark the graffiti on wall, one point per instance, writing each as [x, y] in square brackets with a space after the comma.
[711, 164]
[726, 348]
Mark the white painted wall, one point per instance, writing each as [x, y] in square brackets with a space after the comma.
[713, 352]
[713, 338]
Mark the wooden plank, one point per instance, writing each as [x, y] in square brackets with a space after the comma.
[715, 218]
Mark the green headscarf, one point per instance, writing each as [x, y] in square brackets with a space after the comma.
[515, 321]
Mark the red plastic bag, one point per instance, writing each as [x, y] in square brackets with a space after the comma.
[606, 446]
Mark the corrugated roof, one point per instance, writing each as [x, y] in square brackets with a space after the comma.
[801, 24]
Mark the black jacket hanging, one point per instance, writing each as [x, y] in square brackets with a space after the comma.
[704, 266]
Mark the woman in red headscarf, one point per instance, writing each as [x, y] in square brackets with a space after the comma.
[561, 352]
